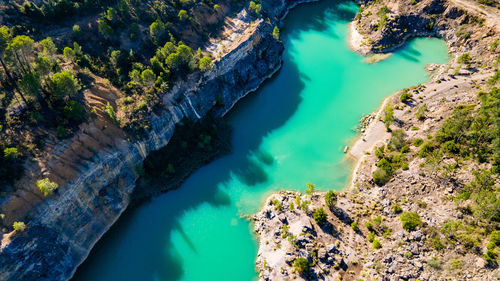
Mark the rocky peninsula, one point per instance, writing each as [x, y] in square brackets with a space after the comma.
[414, 209]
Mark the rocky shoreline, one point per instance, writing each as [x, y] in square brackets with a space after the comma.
[61, 230]
[363, 237]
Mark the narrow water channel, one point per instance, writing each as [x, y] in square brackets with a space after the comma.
[290, 132]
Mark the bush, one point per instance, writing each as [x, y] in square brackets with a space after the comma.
[354, 226]
[495, 238]
[331, 199]
[371, 236]
[19, 226]
[410, 221]
[277, 204]
[450, 147]
[276, 33]
[320, 216]
[10, 153]
[74, 111]
[425, 149]
[465, 58]
[434, 263]
[205, 64]
[421, 112]
[396, 209]
[398, 139]
[301, 265]
[310, 189]
[183, 15]
[381, 176]
[369, 225]
[418, 142]
[46, 186]
[376, 244]
[389, 116]
[405, 96]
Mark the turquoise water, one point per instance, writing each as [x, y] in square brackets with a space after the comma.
[292, 131]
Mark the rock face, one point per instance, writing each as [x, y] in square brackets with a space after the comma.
[64, 227]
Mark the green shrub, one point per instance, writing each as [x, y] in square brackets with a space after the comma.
[398, 139]
[183, 15]
[490, 256]
[421, 112]
[310, 189]
[371, 236]
[381, 177]
[111, 112]
[19, 226]
[74, 111]
[276, 33]
[465, 58]
[301, 265]
[331, 199]
[495, 237]
[320, 216]
[389, 116]
[421, 204]
[405, 96]
[434, 263]
[410, 220]
[369, 225]
[10, 153]
[405, 167]
[396, 208]
[376, 244]
[277, 204]
[205, 64]
[450, 147]
[354, 226]
[418, 142]
[46, 186]
[425, 149]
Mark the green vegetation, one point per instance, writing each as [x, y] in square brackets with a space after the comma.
[382, 13]
[310, 189]
[465, 58]
[421, 112]
[320, 216]
[331, 199]
[138, 46]
[410, 220]
[389, 116]
[301, 265]
[376, 244]
[405, 96]
[276, 33]
[19, 226]
[46, 186]
[277, 204]
[354, 226]
[390, 159]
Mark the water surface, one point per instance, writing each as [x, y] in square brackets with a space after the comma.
[292, 131]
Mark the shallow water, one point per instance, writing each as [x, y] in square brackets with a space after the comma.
[292, 131]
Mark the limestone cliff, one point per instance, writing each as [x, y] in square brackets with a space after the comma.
[61, 229]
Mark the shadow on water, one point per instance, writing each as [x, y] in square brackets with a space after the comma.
[148, 254]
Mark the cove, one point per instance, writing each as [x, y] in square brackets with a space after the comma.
[291, 131]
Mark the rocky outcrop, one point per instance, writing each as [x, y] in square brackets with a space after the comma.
[343, 248]
[365, 227]
[64, 227]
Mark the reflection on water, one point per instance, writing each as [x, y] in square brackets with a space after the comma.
[292, 131]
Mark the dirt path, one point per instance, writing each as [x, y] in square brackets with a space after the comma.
[491, 14]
